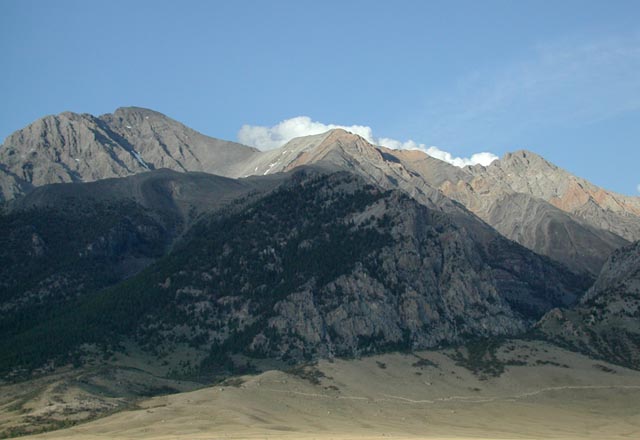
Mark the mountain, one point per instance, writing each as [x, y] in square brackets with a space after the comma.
[521, 216]
[165, 143]
[139, 257]
[72, 147]
[338, 149]
[521, 196]
[521, 213]
[524, 197]
[528, 173]
[64, 241]
[606, 322]
[326, 264]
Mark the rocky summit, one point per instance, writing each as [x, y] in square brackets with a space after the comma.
[72, 147]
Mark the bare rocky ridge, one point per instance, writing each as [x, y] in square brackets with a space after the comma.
[165, 143]
[606, 322]
[521, 212]
[72, 147]
[341, 150]
[528, 173]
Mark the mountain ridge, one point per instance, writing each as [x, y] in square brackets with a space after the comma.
[530, 173]
[72, 147]
[81, 147]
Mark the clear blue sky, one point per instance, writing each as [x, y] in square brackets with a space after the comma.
[561, 78]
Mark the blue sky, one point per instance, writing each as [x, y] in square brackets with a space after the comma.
[560, 78]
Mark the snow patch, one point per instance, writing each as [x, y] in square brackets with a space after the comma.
[270, 167]
[139, 158]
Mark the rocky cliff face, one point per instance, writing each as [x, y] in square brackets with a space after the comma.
[11, 186]
[72, 147]
[527, 173]
[606, 322]
[165, 143]
[325, 265]
[416, 280]
[514, 195]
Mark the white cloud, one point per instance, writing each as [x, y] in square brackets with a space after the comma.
[267, 138]
[638, 187]
[483, 158]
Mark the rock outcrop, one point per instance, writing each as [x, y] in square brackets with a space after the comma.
[528, 213]
[606, 322]
[527, 173]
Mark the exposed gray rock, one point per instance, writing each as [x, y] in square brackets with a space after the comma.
[521, 216]
[72, 147]
[11, 185]
[519, 198]
[162, 142]
[427, 281]
[606, 322]
[67, 148]
[526, 172]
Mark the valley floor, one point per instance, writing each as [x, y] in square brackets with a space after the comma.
[544, 393]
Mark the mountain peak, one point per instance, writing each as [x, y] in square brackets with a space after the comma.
[340, 135]
[66, 114]
[339, 130]
[526, 158]
[80, 147]
[124, 111]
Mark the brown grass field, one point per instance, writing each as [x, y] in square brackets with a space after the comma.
[544, 393]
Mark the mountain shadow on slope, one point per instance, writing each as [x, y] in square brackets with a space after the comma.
[64, 241]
